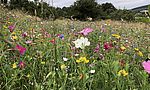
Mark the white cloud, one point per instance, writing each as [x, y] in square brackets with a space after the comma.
[61, 3]
[117, 3]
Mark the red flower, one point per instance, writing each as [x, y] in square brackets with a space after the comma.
[24, 34]
[52, 41]
[21, 49]
[107, 46]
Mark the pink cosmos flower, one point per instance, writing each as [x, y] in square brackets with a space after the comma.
[146, 65]
[21, 64]
[46, 34]
[86, 31]
[28, 42]
[11, 28]
[97, 48]
[21, 49]
[103, 29]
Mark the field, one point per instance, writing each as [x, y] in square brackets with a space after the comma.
[66, 54]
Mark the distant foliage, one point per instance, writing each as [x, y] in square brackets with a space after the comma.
[85, 9]
[4, 1]
[149, 9]
[122, 14]
[81, 9]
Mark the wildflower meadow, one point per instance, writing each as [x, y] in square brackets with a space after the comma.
[67, 54]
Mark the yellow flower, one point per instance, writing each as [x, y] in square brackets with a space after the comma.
[108, 21]
[9, 22]
[5, 27]
[140, 53]
[122, 48]
[136, 49]
[114, 41]
[122, 72]
[82, 59]
[63, 66]
[13, 33]
[14, 37]
[86, 61]
[43, 62]
[30, 29]
[14, 65]
[116, 36]
[28, 75]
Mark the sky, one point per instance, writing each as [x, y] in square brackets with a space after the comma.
[119, 4]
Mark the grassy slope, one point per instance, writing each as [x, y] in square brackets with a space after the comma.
[37, 76]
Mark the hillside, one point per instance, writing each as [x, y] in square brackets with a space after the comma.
[141, 8]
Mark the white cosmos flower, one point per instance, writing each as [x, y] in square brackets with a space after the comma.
[92, 71]
[81, 43]
[76, 54]
[65, 59]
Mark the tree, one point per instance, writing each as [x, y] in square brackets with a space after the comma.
[123, 14]
[85, 8]
[4, 2]
[19, 4]
[108, 8]
[149, 10]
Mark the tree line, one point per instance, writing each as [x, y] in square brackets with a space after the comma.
[81, 9]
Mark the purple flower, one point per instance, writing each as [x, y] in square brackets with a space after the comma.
[103, 29]
[97, 48]
[61, 36]
[11, 28]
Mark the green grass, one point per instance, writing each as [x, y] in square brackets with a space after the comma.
[143, 19]
[43, 59]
